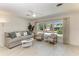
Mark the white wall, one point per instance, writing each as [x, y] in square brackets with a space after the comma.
[74, 29]
[15, 24]
[12, 24]
[1, 35]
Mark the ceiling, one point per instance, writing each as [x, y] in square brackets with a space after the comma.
[40, 9]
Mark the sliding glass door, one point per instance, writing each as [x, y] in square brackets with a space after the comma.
[44, 27]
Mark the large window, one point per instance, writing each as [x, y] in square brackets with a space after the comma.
[55, 26]
[44, 26]
[58, 28]
[40, 27]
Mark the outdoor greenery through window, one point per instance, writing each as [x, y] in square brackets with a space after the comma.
[56, 27]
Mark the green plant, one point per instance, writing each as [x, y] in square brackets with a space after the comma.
[41, 26]
[59, 32]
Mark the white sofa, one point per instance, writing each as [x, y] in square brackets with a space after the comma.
[13, 42]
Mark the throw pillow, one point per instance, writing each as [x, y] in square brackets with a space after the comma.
[25, 33]
[12, 35]
[29, 33]
[18, 34]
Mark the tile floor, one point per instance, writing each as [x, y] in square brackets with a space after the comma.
[41, 49]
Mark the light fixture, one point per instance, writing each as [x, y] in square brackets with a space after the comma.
[31, 13]
[34, 15]
[59, 4]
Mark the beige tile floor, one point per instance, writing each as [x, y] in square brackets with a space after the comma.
[41, 49]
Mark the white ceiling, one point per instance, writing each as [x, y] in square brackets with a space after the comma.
[41, 9]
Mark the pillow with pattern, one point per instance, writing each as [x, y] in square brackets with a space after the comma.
[18, 34]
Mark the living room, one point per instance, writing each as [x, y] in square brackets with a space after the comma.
[19, 31]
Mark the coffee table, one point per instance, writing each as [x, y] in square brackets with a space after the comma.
[27, 43]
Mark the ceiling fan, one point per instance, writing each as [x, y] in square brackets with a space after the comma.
[60, 4]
